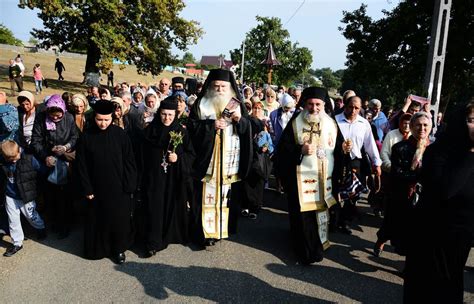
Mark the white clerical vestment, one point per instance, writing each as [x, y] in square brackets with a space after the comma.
[314, 174]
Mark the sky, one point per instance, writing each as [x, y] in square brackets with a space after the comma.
[225, 22]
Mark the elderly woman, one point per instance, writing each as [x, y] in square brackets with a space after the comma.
[271, 102]
[443, 225]
[107, 175]
[166, 179]
[81, 111]
[406, 163]
[54, 134]
[118, 116]
[149, 108]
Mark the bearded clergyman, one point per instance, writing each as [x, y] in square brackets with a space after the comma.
[305, 161]
[221, 135]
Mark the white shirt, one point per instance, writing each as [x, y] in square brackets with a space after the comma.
[392, 137]
[28, 126]
[360, 132]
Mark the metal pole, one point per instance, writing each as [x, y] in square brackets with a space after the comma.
[243, 64]
[436, 54]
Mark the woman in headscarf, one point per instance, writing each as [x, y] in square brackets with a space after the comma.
[149, 108]
[107, 176]
[54, 134]
[166, 179]
[81, 111]
[406, 163]
[118, 117]
[443, 225]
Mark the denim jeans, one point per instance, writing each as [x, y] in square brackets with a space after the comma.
[39, 86]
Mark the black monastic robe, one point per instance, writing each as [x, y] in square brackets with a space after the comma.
[166, 194]
[106, 168]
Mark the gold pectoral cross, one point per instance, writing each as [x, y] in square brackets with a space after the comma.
[312, 131]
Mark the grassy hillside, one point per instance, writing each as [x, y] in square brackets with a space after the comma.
[72, 75]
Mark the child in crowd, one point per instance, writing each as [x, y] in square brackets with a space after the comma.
[18, 181]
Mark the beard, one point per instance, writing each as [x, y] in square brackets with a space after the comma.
[312, 118]
[219, 100]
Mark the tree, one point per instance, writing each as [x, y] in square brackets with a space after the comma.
[386, 59]
[294, 59]
[138, 32]
[6, 36]
[33, 41]
[188, 58]
[330, 79]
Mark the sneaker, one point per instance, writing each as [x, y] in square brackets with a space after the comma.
[252, 216]
[245, 212]
[12, 250]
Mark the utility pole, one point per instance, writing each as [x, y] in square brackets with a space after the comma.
[436, 54]
[243, 64]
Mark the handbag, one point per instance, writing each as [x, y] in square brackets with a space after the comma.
[45, 82]
[59, 174]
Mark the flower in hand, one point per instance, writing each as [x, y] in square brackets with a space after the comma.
[172, 157]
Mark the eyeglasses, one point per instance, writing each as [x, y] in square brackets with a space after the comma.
[164, 84]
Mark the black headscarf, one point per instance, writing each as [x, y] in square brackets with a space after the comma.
[157, 134]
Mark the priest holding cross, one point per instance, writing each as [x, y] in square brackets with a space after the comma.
[221, 135]
[305, 160]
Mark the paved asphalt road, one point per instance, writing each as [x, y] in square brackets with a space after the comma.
[255, 266]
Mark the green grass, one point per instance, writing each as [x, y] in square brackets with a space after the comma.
[73, 74]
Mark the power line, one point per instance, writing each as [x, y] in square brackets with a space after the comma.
[295, 12]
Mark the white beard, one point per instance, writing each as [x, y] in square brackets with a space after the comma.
[312, 118]
[213, 103]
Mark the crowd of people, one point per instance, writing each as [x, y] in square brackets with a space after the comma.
[164, 164]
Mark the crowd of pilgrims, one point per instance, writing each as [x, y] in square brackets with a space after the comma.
[134, 159]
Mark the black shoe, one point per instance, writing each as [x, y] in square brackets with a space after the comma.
[120, 259]
[12, 250]
[378, 248]
[345, 229]
[210, 242]
[41, 234]
[149, 253]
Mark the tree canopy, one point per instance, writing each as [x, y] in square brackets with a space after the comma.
[387, 58]
[140, 32]
[7, 37]
[329, 78]
[294, 59]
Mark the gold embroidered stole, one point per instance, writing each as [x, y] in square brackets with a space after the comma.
[314, 173]
[221, 173]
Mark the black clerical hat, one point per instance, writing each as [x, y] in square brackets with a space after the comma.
[219, 74]
[103, 107]
[178, 79]
[169, 103]
[315, 92]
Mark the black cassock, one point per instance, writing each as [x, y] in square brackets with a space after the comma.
[303, 225]
[166, 194]
[106, 168]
